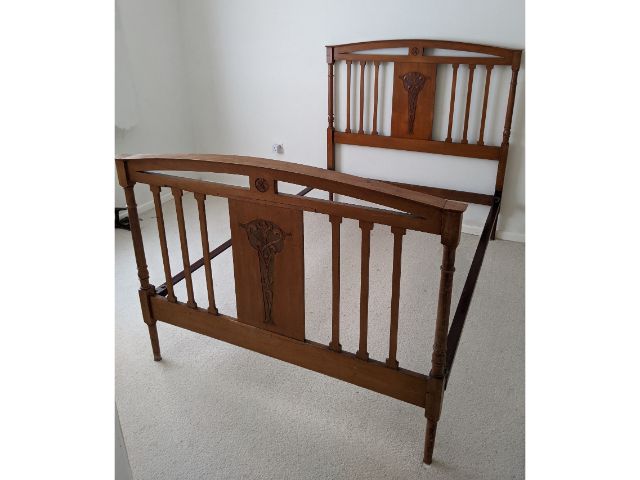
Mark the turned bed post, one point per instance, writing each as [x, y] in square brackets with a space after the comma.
[506, 132]
[147, 290]
[331, 151]
[452, 224]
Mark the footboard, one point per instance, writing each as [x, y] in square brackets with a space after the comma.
[268, 259]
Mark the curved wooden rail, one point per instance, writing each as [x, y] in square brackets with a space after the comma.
[424, 212]
[505, 53]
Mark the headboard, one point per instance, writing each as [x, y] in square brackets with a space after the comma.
[415, 68]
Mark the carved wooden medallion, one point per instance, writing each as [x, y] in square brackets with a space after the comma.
[268, 240]
[413, 100]
[268, 263]
[261, 184]
[413, 83]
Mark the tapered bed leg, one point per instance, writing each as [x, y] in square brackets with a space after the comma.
[429, 441]
[155, 343]
[151, 323]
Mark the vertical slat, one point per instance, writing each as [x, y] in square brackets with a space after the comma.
[177, 195]
[155, 190]
[398, 233]
[487, 83]
[375, 99]
[366, 228]
[204, 234]
[335, 273]
[453, 101]
[136, 236]
[348, 130]
[362, 65]
[472, 69]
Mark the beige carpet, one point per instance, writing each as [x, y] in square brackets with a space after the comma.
[210, 410]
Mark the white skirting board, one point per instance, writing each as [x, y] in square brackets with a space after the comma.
[500, 234]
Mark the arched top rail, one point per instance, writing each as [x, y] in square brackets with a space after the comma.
[416, 52]
[146, 168]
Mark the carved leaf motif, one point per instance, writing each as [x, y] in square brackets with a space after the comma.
[268, 240]
[413, 83]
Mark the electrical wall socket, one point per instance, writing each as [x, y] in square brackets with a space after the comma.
[277, 148]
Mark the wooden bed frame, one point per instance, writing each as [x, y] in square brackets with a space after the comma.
[267, 226]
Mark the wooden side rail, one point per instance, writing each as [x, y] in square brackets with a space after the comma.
[460, 317]
[268, 258]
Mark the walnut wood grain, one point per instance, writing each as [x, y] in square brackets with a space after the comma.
[136, 236]
[458, 195]
[424, 223]
[452, 102]
[398, 233]
[376, 65]
[467, 111]
[362, 66]
[460, 316]
[414, 87]
[501, 53]
[484, 152]
[485, 102]
[204, 237]
[426, 209]
[268, 262]
[335, 283]
[401, 384]
[155, 190]
[366, 228]
[348, 129]
[432, 60]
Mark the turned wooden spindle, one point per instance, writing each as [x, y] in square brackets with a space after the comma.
[472, 69]
[515, 68]
[362, 65]
[398, 233]
[485, 102]
[177, 195]
[366, 228]
[136, 236]
[348, 129]
[330, 96]
[155, 190]
[204, 235]
[376, 65]
[452, 102]
[335, 284]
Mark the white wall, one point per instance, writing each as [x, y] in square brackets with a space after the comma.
[150, 34]
[257, 75]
